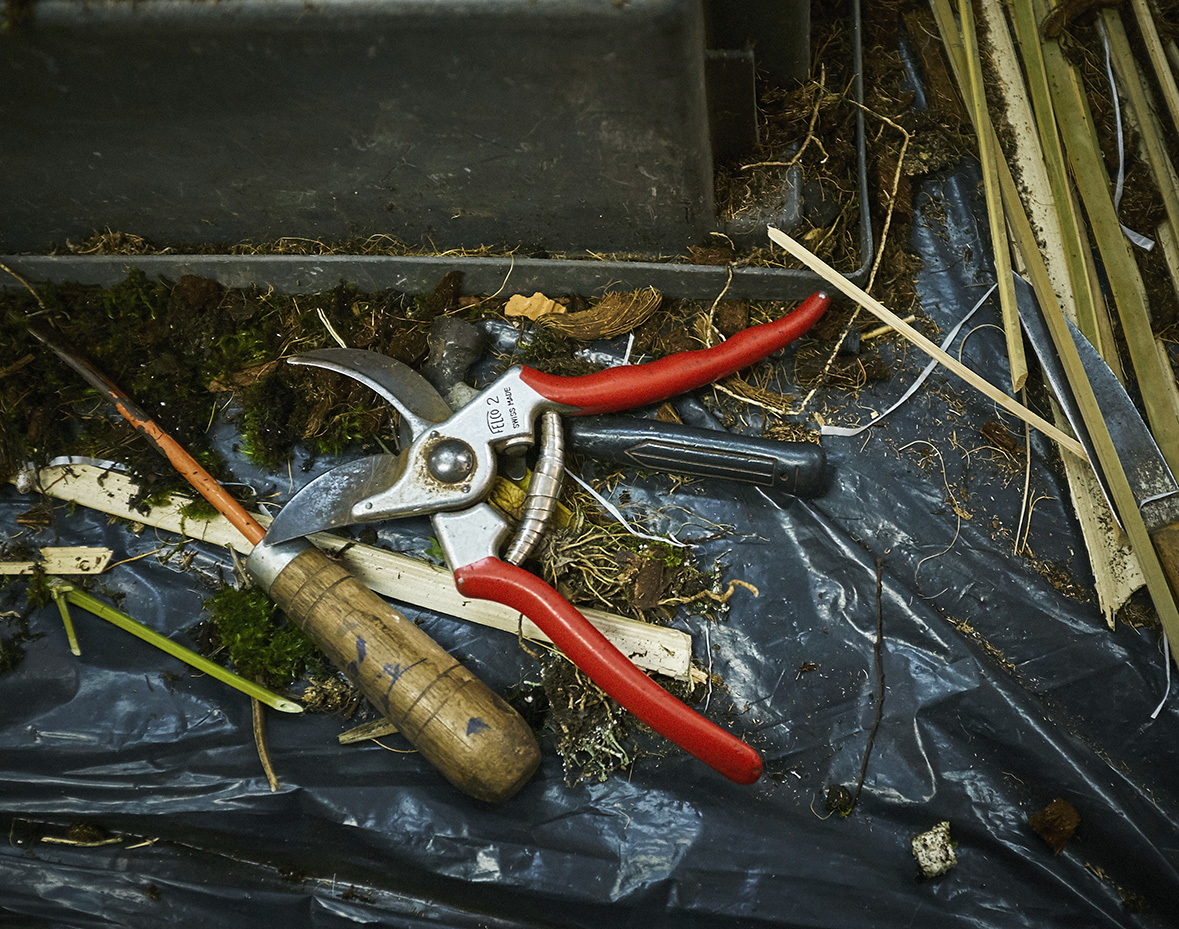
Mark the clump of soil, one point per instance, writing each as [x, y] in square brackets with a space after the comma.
[13, 638]
[593, 735]
[603, 566]
[1056, 824]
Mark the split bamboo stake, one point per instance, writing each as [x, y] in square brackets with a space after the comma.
[1060, 239]
[987, 156]
[58, 559]
[885, 315]
[1169, 242]
[1125, 279]
[1158, 59]
[1153, 148]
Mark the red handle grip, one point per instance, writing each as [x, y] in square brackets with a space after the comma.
[637, 385]
[593, 653]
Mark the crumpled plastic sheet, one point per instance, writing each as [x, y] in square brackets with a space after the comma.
[1002, 694]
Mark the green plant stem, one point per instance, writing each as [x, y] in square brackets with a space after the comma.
[66, 621]
[67, 592]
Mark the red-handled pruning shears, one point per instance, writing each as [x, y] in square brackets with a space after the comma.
[448, 470]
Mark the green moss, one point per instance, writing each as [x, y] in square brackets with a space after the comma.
[260, 643]
[199, 508]
[353, 426]
[12, 652]
[14, 624]
[179, 349]
[670, 555]
[549, 351]
[39, 593]
[269, 406]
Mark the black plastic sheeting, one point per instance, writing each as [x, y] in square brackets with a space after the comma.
[1002, 694]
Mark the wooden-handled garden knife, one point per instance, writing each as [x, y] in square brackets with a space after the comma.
[1132, 471]
[475, 739]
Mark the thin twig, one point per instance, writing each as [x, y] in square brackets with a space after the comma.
[1027, 482]
[892, 199]
[877, 654]
[154, 551]
[710, 595]
[511, 268]
[892, 196]
[1027, 528]
[745, 398]
[711, 326]
[27, 286]
[259, 725]
[884, 330]
[327, 324]
[395, 751]
[810, 130]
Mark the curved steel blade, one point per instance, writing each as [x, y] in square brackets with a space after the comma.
[414, 397]
[1154, 487]
[328, 501]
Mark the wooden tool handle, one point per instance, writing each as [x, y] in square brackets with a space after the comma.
[478, 742]
[1166, 546]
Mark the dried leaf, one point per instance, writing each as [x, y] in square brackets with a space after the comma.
[244, 378]
[534, 307]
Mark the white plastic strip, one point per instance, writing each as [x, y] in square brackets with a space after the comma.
[617, 514]
[1167, 689]
[1137, 238]
[926, 371]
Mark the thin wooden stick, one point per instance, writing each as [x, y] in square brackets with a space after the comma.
[885, 315]
[258, 724]
[660, 649]
[1057, 260]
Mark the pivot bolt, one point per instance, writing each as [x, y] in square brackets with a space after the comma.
[451, 461]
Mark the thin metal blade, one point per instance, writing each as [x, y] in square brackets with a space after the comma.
[327, 502]
[1150, 479]
[414, 397]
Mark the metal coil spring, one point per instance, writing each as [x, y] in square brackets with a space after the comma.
[543, 490]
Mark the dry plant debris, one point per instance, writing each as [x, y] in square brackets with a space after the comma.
[214, 354]
[612, 315]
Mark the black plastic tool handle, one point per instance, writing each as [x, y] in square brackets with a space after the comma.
[798, 468]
